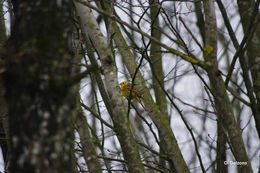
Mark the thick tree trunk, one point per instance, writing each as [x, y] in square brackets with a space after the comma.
[40, 106]
[3, 106]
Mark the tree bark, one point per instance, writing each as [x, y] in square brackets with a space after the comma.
[246, 9]
[221, 100]
[3, 105]
[38, 92]
[119, 113]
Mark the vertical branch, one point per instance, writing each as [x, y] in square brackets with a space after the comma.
[243, 60]
[156, 67]
[250, 18]
[87, 142]
[222, 103]
[119, 114]
[200, 19]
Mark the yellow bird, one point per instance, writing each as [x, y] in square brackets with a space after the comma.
[126, 88]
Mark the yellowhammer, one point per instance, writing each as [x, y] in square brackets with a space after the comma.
[126, 88]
